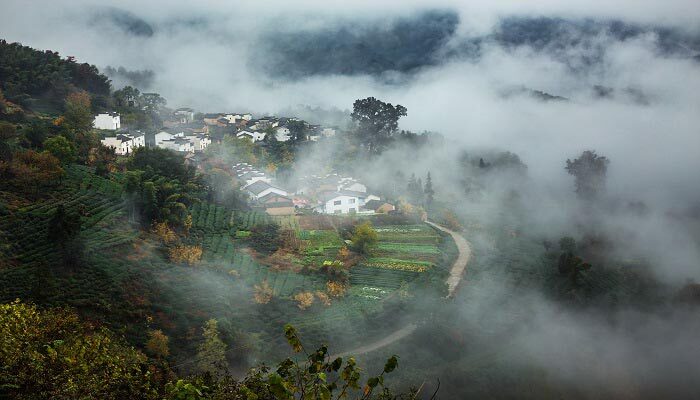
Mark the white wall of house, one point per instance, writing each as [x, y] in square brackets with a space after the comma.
[124, 147]
[328, 132]
[199, 143]
[340, 204]
[353, 186]
[107, 121]
[282, 134]
[254, 136]
[181, 146]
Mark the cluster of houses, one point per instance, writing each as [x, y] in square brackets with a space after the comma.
[245, 126]
[185, 136]
[329, 194]
[262, 193]
[337, 194]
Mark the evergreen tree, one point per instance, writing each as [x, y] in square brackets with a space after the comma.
[211, 354]
[429, 192]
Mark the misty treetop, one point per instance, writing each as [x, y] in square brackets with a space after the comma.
[377, 122]
[590, 171]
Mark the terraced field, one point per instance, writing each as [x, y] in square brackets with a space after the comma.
[403, 253]
[98, 202]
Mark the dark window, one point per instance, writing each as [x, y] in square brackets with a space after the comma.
[337, 202]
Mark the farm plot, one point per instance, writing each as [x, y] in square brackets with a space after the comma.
[246, 220]
[207, 217]
[95, 199]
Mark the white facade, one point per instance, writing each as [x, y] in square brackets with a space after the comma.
[178, 144]
[282, 134]
[352, 186]
[340, 204]
[328, 132]
[108, 121]
[185, 115]
[254, 136]
[199, 141]
[124, 144]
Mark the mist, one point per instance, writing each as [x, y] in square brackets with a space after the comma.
[629, 76]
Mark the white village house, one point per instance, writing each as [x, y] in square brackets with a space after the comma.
[254, 136]
[107, 121]
[124, 144]
[178, 143]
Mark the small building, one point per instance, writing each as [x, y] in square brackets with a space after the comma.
[259, 189]
[250, 177]
[108, 121]
[276, 204]
[253, 136]
[338, 203]
[185, 115]
[199, 141]
[179, 144]
[124, 144]
[282, 134]
[379, 207]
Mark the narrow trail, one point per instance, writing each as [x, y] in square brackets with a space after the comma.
[456, 273]
[460, 264]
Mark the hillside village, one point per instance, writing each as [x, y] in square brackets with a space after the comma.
[185, 131]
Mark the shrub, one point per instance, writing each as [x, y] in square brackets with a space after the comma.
[304, 300]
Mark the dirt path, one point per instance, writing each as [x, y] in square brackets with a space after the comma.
[460, 265]
[385, 341]
[456, 273]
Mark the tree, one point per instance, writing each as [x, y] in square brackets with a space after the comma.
[157, 344]
[50, 354]
[364, 238]
[429, 192]
[567, 244]
[78, 116]
[31, 170]
[61, 148]
[297, 130]
[211, 353]
[589, 171]
[377, 121]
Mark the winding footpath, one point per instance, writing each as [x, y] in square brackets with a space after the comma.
[460, 264]
[456, 273]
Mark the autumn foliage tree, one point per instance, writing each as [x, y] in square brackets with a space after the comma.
[52, 355]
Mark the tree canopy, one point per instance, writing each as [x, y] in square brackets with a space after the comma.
[377, 122]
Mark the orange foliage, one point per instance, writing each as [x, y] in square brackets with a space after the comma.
[335, 289]
[187, 254]
[304, 300]
[164, 233]
[323, 298]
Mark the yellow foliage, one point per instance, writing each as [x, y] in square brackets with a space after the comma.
[263, 293]
[323, 298]
[157, 344]
[335, 289]
[188, 223]
[59, 121]
[187, 254]
[163, 231]
[304, 300]
[234, 273]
